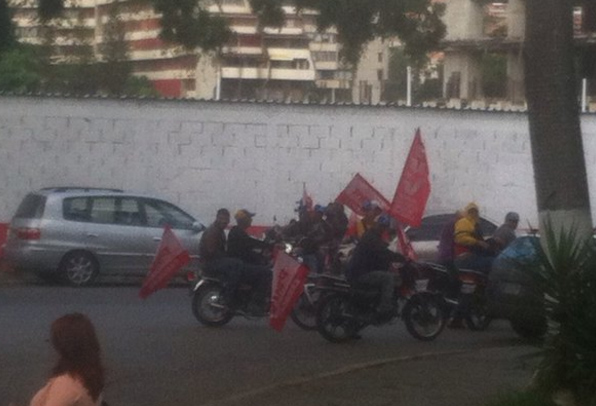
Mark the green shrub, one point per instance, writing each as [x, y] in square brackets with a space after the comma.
[567, 275]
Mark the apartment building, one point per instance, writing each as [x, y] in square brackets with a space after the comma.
[293, 63]
[474, 30]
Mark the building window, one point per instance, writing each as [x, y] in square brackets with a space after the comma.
[380, 75]
[380, 56]
[365, 91]
[453, 86]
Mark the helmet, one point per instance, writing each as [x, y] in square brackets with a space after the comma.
[384, 220]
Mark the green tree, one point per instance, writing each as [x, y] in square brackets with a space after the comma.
[20, 70]
[494, 75]
[416, 22]
[140, 86]
[7, 39]
[115, 67]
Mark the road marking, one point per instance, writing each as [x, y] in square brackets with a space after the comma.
[341, 371]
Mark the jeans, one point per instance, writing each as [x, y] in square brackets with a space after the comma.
[312, 262]
[475, 262]
[259, 277]
[229, 270]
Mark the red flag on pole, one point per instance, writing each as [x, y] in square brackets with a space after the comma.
[413, 189]
[289, 276]
[306, 201]
[404, 244]
[357, 192]
[170, 257]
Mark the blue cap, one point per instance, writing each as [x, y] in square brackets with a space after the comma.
[319, 208]
[384, 220]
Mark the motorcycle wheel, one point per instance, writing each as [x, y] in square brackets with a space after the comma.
[304, 312]
[424, 316]
[209, 308]
[478, 318]
[333, 322]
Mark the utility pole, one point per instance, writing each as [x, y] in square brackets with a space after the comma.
[409, 87]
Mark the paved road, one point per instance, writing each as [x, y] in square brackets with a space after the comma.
[157, 354]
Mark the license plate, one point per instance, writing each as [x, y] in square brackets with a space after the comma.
[468, 288]
[511, 288]
[421, 285]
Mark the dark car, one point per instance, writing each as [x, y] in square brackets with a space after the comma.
[513, 293]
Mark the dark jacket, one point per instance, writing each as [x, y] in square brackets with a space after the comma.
[371, 254]
[243, 246]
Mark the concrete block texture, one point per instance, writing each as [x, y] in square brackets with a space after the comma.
[205, 155]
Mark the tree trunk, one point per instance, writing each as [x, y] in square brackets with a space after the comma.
[557, 148]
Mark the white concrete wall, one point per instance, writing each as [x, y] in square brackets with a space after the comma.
[204, 155]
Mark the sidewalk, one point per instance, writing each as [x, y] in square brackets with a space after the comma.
[469, 378]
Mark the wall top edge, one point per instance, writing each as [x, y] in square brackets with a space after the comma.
[400, 105]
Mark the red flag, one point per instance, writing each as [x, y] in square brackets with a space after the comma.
[170, 257]
[289, 276]
[404, 244]
[357, 192]
[413, 188]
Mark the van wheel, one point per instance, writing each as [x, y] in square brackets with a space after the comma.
[79, 268]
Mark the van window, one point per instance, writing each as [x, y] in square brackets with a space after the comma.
[76, 209]
[103, 210]
[128, 212]
[31, 207]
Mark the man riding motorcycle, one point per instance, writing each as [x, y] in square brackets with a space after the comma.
[370, 264]
[233, 271]
[243, 246]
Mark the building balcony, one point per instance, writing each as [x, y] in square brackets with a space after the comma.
[287, 54]
[323, 47]
[333, 84]
[256, 51]
[325, 65]
[270, 74]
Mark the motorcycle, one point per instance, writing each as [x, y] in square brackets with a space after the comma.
[209, 304]
[464, 292]
[211, 308]
[343, 311]
[304, 312]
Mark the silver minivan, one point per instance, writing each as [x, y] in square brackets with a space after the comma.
[75, 234]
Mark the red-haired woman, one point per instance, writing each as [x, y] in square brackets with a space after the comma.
[77, 379]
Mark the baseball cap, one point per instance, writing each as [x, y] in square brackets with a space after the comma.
[512, 216]
[243, 214]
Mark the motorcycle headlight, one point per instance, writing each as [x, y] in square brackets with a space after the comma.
[288, 248]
